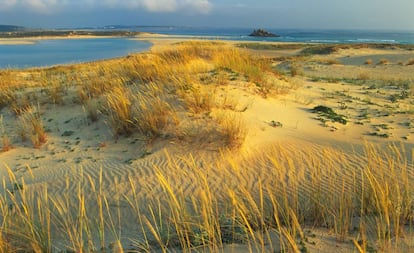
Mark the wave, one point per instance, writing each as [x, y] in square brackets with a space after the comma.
[299, 35]
[325, 41]
[373, 41]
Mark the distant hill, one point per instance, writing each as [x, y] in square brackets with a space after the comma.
[11, 28]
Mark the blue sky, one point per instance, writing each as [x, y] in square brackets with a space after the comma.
[319, 14]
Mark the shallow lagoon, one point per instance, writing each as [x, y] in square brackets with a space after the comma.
[67, 51]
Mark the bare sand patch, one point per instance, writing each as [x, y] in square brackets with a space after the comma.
[17, 41]
[35, 39]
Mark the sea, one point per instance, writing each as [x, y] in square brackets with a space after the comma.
[63, 51]
[290, 35]
[45, 53]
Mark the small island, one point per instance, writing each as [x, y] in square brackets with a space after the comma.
[262, 33]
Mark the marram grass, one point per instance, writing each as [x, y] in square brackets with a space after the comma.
[265, 200]
[369, 202]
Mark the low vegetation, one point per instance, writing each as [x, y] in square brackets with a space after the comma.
[6, 145]
[329, 114]
[268, 46]
[322, 49]
[142, 94]
[180, 95]
[383, 62]
[31, 127]
[353, 199]
[368, 62]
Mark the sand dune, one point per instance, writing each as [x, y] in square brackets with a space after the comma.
[288, 149]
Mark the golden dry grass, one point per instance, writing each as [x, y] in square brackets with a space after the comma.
[6, 144]
[383, 62]
[121, 111]
[410, 62]
[31, 126]
[298, 194]
[368, 62]
[149, 93]
[154, 94]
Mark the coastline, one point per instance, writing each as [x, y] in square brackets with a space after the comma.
[234, 34]
[15, 41]
[154, 38]
[35, 39]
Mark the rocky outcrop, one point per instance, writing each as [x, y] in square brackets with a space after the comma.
[262, 33]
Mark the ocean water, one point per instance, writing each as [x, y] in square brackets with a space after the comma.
[291, 35]
[61, 51]
[54, 52]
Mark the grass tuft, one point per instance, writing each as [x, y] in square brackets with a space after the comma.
[233, 129]
[368, 62]
[198, 99]
[383, 62]
[329, 113]
[6, 143]
[92, 110]
[154, 115]
[120, 111]
[31, 125]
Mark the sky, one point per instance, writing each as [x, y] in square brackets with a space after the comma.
[300, 14]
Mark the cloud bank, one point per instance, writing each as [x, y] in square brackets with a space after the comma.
[51, 6]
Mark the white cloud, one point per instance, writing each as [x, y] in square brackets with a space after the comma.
[41, 6]
[159, 5]
[201, 6]
[45, 6]
[6, 4]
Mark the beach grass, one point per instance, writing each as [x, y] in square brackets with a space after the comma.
[32, 126]
[178, 94]
[6, 143]
[176, 73]
[274, 216]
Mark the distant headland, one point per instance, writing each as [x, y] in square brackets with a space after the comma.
[11, 28]
[10, 31]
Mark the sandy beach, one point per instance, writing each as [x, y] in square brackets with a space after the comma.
[35, 39]
[16, 41]
[200, 146]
